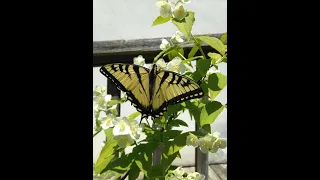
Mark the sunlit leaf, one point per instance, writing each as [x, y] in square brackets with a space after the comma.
[214, 42]
[160, 20]
[133, 115]
[106, 155]
[203, 66]
[216, 82]
[210, 112]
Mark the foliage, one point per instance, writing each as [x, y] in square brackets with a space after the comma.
[122, 132]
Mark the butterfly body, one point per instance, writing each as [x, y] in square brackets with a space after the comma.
[150, 91]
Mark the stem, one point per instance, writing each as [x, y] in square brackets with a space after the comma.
[96, 133]
[199, 45]
[127, 173]
[181, 56]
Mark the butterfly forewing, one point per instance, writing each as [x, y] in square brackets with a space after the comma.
[132, 79]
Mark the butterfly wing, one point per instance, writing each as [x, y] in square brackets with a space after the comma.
[171, 88]
[132, 79]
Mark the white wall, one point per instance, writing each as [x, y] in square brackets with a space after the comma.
[132, 19]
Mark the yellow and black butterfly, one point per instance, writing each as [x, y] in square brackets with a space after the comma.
[151, 91]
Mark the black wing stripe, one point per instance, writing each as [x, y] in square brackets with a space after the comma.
[136, 70]
[172, 80]
[179, 79]
[120, 67]
[165, 76]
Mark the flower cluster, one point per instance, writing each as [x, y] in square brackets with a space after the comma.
[179, 174]
[209, 142]
[174, 65]
[125, 131]
[174, 10]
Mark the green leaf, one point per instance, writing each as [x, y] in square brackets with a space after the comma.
[106, 155]
[207, 128]
[210, 112]
[214, 57]
[113, 102]
[216, 82]
[144, 157]
[204, 86]
[175, 53]
[185, 25]
[134, 172]
[194, 110]
[156, 171]
[225, 105]
[193, 51]
[170, 134]
[177, 123]
[121, 164]
[133, 115]
[223, 38]
[176, 145]
[214, 42]
[160, 20]
[196, 76]
[109, 133]
[203, 66]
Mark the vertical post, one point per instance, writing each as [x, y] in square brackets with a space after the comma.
[201, 159]
[156, 156]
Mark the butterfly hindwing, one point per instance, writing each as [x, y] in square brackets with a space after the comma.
[171, 88]
[132, 79]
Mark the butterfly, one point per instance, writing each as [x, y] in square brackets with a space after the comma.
[150, 91]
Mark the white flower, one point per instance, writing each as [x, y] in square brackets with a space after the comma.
[107, 121]
[176, 65]
[192, 140]
[139, 60]
[177, 37]
[99, 90]
[136, 130]
[204, 143]
[178, 172]
[123, 140]
[165, 8]
[121, 126]
[179, 12]
[195, 176]
[101, 101]
[161, 63]
[164, 44]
